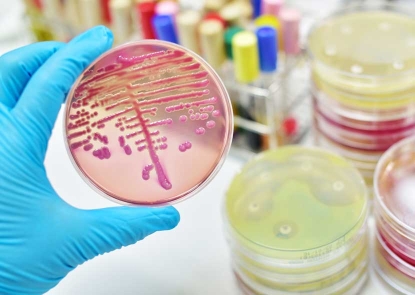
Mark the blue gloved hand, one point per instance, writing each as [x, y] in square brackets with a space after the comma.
[42, 238]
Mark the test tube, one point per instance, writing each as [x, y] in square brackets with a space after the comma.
[268, 61]
[105, 9]
[52, 12]
[40, 30]
[72, 14]
[216, 16]
[187, 24]
[52, 9]
[290, 20]
[211, 39]
[245, 54]
[214, 5]
[164, 28]
[272, 7]
[228, 68]
[229, 34]
[257, 7]
[120, 11]
[90, 12]
[145, 13]
[167, 8]
[268, 110]
[236, 13]
[272, 21]
[246, 66]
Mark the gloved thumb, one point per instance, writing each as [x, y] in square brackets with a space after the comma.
[105, 230]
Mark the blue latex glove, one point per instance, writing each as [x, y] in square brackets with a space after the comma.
[42, 238]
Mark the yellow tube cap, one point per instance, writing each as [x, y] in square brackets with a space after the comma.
[245, 54]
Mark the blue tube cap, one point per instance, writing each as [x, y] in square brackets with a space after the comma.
[164, 28]
[267, 48]
[256, 6]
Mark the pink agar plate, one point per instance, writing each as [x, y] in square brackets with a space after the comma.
[148, 123]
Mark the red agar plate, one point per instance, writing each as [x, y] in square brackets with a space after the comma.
[148, 123]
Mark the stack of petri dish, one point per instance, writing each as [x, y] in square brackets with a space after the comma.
[394, 208]
[296, 222]
[363, 81]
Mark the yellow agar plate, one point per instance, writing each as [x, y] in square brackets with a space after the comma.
[368, 53]
[296, 203]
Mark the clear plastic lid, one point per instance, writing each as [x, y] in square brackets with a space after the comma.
[296, 203]
[366, 49]
[148, 123]
[394, 184]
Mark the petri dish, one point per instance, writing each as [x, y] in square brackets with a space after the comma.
[394, 184]
[296, 204]
[296, 222]
[365, 49]
[394, 187]
[148, 123]
[394, 271]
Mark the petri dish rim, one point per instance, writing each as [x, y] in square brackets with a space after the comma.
[378, 272]
[402, 9]
[272, 262]
[361, 220]
[379, 170]
[350, 153]
[336, 288]
[333, 266]
[408, 267]
[397, 246]
[225, 150]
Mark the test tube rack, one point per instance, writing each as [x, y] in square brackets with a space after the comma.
[288, 111]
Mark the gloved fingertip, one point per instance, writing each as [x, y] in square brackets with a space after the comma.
[106, 32]
[169, 215]
[174, 216]
[101, 33]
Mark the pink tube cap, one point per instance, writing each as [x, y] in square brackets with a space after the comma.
[290, 20]
[167, 8]
[272, 7]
